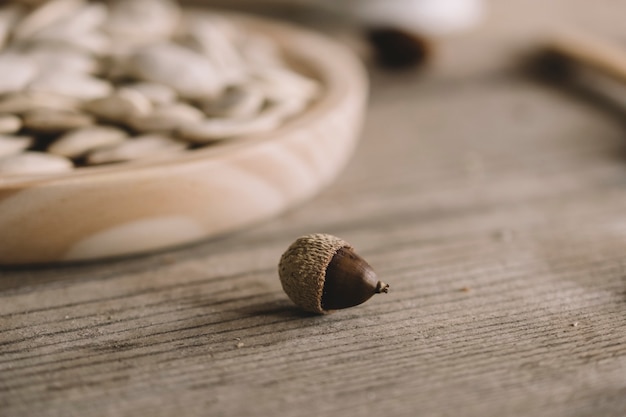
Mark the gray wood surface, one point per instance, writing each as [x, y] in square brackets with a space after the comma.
[494, 206]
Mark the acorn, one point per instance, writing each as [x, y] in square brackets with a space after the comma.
[321, 273]
[399, 49]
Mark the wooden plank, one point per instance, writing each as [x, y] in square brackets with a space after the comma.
[492, 204]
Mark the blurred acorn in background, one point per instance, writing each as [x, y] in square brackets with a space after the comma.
[397, 33]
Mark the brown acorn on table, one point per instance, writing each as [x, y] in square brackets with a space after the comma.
[321, 273]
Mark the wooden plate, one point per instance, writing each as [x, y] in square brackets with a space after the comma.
[129, 208]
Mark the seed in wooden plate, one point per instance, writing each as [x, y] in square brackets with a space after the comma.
[79, 86]
[166, 118]
[79, 142]
[24, 101]
[93, 42]
[141, 147]
[44, 15]
[237, 102]
[211, 130]
[190, 74]
[34, 163]
[55, 121]
[138, 22]
[9, 123]
[62, 59]
[72, 26]
[121, 106]
[285, 108]
[156, 93]
[10, 14]
[260, 51]
[201, 26]
[86, 19]
[282, 83]
[216, 38]
[15, 72]
[10, 145]
[115, 64]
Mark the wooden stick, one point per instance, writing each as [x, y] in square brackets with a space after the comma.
[598, 53]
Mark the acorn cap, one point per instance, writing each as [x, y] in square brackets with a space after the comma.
[321, 273]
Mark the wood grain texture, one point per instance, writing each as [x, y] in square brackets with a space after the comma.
[491, 203]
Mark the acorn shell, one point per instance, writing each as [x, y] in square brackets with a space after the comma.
[302, 269]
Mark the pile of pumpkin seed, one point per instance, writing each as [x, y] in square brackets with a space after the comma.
[85, 83]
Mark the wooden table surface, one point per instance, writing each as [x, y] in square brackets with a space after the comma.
[495, 207]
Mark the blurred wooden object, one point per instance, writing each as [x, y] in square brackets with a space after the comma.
[601, 54]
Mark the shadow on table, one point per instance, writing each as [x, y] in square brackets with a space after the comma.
[14, 277]
[276, 309]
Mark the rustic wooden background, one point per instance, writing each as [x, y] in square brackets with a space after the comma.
[494, 205]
